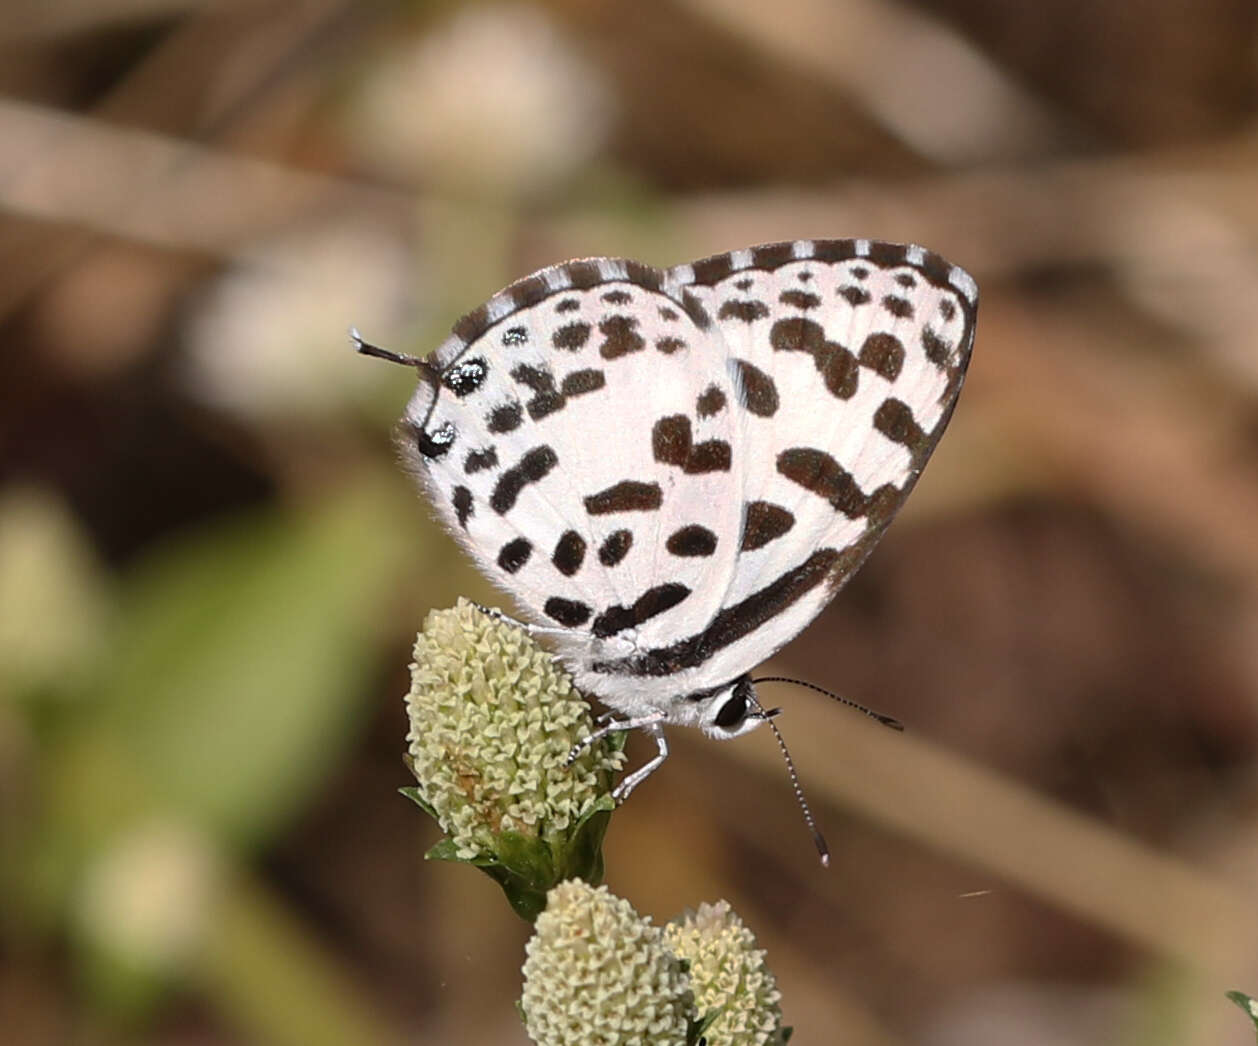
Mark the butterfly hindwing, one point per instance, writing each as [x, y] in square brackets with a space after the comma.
[848, 357]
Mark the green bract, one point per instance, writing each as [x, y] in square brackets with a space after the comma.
[1247, 1003]
[492, 719]
[599, 974]
[729, 977]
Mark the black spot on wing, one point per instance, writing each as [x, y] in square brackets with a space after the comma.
[854, 295]
[883, 354]
[626, 496]
[763, 522]
[901, 308]
[461, 498]
[670, 439]
[533, 466]
[506, 417]
[756, 390]
[748, 310]
[570, 613]
[569, 553]
[620, 337]
[579, 382]
[818, 472]
[466, 376]
[615, 548]
[672, 445]
[800, 299]
[434, 444]
[938, 351]
[617, 297]
[571, 336]
[691, 540]
[568, 305]
[652, 602]
[515, 336]
[712, 455]
[669, 345]
[735, 622]
[514, 554]
[894, 419]
[479, 460]
[710, 402]
[836, 365]
[546, 399]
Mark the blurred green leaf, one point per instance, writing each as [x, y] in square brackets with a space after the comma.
[55, 601]
[241, 670]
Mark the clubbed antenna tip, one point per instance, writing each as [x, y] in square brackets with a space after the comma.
[823, 851]
[878, 717]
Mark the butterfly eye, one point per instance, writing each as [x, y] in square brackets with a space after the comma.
[734, 711]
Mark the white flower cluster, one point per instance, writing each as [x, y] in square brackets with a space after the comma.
[492, 719]
[598, 974]
[728, 972]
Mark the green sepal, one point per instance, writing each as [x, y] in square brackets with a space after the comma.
[524, 892]
[445, 850]
[1246, 1003]
[526, 901]
[413, 794]
[694, 1036]
[697, 1029]
[581, 857]
[527, 867]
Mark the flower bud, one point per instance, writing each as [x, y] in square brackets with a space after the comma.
[597, 972]
[729, 977]
[492, 720]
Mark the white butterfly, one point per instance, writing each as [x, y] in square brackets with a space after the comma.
[673, 472]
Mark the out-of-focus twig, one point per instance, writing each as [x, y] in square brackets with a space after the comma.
[975, 815]
[153, 188]
[29, 20]
[186, 83]
[982, 115]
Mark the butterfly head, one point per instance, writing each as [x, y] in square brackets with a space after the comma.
[733, 710]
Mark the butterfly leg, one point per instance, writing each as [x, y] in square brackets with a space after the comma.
[610, 725]
[531, 629]
[621, 792]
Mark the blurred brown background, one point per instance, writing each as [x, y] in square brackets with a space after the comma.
[211, 568]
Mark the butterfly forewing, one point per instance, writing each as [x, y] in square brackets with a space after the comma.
[587, 454]
[680, 468]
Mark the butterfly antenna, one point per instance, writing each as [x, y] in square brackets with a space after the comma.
[366, 348]
[885, 720]
[823, 851]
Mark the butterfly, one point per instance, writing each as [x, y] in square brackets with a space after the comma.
[673, 471]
